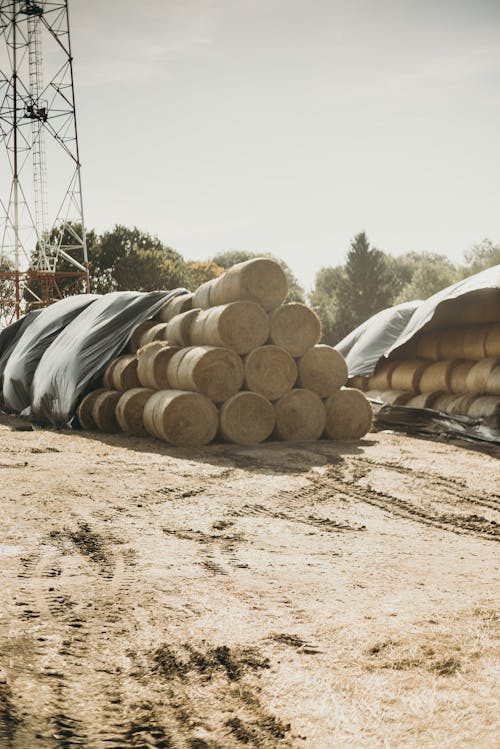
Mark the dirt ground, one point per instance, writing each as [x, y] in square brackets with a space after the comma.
[304, 595]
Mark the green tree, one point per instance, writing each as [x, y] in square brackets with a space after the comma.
[323, 300]
[365, 286]
[231, 257]
[199, 272]
[482, 255]
[420, 275]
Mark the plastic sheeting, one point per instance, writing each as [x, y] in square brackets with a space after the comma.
[473, 300]
[31, 345]
[368, 342]
[8, 339]
[77, 358]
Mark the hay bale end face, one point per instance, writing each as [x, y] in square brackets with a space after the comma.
[428, 346]
[270, 371]
[177, 305]
[436, 377]
[492, 340]
[451, 343]
[300, 416]
[247, 418]
[381, 378]
[155, 333]
[458, 377]
[183, 419]
[260, 280]
[240, 326]
[152, 365]
[104, 411]
[475, 342]
[129, 411]
[348, 415]
[484, 406]
[124, 373]
[406, 374]
[84, 410]
[479, 375]
[215, 372]
[179, 328]
[322, 369]
[422, 400]
[295, 327]
[202, 295]
[137, 333]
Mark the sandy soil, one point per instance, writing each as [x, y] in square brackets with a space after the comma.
[309, 595]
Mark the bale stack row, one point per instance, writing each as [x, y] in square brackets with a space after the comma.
[233, 362]
[456, 371]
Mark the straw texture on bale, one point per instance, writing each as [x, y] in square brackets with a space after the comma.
[300, 416]
[422, 400]
[322, 369]
[137, 333]
[270, 371]
[477, 379]
[241, 326]
[246, 418]
[492, 340]
[176, 306]
[359, 382]
[129, 410]
[84, 411]
[107, 378]
[179, 328]
[157, 332]
[458, 377]
[428, 346]
[201, 297]
[475, 342]
[451, 343]
[461, 404]
[484, 406]
[152, 363]
[104, 411]
[443, 401]
[295, 327]
[213, 371]
[124, 373]
[493, 382]
[381, 378]
[348, 415]
[436, 377]
[406, 374]
[394, 397]
[260, 280]
[181, 418]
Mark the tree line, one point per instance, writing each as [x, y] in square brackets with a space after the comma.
[343, 296]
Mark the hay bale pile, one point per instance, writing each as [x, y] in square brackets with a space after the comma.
[231, 362]
[454, 370]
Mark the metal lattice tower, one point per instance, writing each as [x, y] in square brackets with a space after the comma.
[43, 250]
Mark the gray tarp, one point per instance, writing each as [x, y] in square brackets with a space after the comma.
[77, 358]
[9, 336]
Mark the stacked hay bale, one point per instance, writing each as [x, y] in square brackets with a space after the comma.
[231, 361]
[454, 370]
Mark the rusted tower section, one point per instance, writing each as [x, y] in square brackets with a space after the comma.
[43, 250]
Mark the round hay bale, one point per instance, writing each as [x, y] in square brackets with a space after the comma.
[270, 371]
[124, 373]
[294, 327]
[104, 411]
[183, 419]
[475, 342]
[458, 377]
[201, 297]
[493, 382]
[428, 346]
[300, 416]
[241, 326]
[152, 364]
[348, 415]
[492, 340]
[484, 406]
[213, 371]
[422, 400]
[107, 378]
[406, 374]
[246, 418]
[260, 280]
[477, 379]
[451, 343]
[322, 369]
[443, 402]
[156, 333]
[179, 328]
[461, 404]
[137, 333]
[436, 377]
[84, 410]
[381, 378]
[129, 410]
[358, 382]
[175, 306]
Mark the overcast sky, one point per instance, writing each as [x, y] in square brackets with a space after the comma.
[291, 125]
